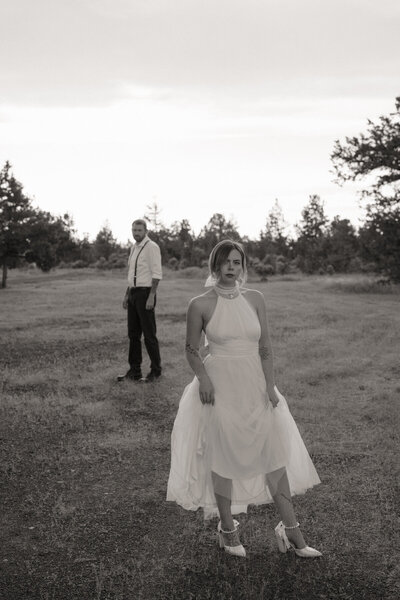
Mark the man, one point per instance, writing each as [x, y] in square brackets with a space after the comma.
[144, 273]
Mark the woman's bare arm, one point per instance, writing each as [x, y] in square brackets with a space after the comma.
[265, 349]
[194, 327]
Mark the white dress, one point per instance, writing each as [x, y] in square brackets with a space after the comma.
[238, 446]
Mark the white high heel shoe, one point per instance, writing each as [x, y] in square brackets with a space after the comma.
[284, 544]
[230, 540]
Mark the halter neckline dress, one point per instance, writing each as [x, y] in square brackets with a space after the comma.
[236, 447]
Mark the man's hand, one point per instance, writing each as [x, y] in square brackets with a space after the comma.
[125, 303]
[150, 301]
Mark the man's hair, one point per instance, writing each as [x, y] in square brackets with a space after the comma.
[220, 253]
[140, 222]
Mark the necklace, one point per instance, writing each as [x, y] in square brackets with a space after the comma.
[229, 293]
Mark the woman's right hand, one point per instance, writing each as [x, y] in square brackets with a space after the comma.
[206, 390]
[273, 397]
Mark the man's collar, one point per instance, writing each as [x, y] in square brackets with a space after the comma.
[144, 240]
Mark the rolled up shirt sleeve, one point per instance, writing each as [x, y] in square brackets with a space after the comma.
[155, 261]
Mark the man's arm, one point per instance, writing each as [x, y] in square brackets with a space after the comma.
[156, 273]
[125, 300]
[151, 298]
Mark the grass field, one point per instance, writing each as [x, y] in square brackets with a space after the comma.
[84, 460]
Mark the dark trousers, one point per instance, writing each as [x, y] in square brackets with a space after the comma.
[142, 321]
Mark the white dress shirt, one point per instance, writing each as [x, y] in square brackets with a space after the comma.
[148, 264]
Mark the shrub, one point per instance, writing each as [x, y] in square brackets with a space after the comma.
[355, 265]
[369, 267]
[293, 266]
[191, 273]
[281, 265]
[330, 270]
[117, 262]
[184, 263]
[173, 263]
[263, 271]
[362, 285]
[101, 263]
[269, 259]
[79, 264]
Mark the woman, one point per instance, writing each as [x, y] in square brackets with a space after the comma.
[234, 441]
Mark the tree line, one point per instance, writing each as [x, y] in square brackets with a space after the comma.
[30, 235]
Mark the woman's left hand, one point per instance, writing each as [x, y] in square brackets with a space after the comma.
[273, 397]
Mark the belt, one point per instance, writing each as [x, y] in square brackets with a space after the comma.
[132, 289]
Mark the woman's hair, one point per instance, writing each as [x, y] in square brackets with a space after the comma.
[220, 253]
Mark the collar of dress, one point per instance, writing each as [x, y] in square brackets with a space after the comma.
[229, 293]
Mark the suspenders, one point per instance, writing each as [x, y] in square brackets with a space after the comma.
[136, 262]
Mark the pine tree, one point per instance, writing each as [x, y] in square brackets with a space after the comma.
[16, 213]
[376, 153]
[153, 216]
[310, 246]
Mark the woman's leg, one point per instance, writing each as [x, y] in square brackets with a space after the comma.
[278, 484]
[222, 493]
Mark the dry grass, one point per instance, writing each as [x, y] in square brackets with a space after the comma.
[84, 461]
[361, 284]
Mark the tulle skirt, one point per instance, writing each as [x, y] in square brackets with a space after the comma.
[237, 448]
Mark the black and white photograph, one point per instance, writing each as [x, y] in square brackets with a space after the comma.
[199, 299]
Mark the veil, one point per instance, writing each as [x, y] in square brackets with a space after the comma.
[212, 280]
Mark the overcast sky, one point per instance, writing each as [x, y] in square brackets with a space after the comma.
[202, 106]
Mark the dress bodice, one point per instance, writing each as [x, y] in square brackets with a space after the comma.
[234, 328]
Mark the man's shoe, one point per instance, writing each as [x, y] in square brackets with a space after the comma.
[129, 375]
[150, 377]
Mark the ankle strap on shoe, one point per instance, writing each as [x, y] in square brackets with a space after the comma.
[292, 527]
[230, 538]
[233, 530]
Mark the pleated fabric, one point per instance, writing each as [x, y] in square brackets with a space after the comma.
[239, 447]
